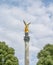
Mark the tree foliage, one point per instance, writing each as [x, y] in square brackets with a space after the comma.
[45, 56]
[7, 56]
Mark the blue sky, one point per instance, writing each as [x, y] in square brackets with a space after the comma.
[47, 2]
[39, 13]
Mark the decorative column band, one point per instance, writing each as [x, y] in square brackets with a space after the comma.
[26, 37]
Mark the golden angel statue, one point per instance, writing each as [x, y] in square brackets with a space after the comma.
[26, 27]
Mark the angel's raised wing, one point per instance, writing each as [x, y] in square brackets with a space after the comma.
[29, 23]
[24, 22]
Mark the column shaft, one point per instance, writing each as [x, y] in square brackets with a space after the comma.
[26, 53]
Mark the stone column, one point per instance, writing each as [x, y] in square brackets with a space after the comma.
[26, 40]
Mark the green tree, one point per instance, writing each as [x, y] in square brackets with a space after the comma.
[7, 56]
[45, 56]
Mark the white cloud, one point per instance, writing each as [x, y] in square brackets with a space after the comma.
[50, 8]
[41, 30]
[33, 48]
[21, 61]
